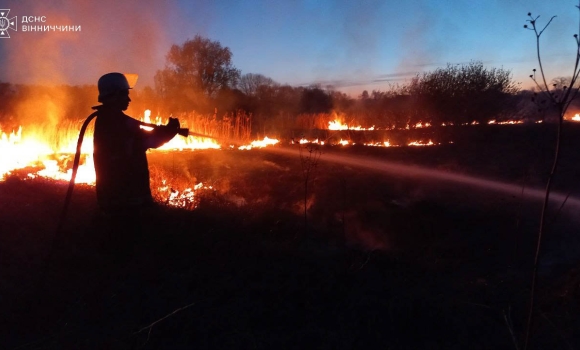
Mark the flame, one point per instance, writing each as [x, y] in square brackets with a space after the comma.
[421, 143]
[305, 141]
[18, 152]
[190, 142]
[179, 142]
[36, 155]
[40, 158]
[337, 125]
[420, 125]
[576, 117]
[260, 143]
[511, 122]
[186, 198]
[85, 172]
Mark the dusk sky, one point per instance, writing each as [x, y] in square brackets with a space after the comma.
[353, 45]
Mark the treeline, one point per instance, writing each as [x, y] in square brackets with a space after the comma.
[199, 77]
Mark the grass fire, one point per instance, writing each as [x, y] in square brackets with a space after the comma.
[196, 205]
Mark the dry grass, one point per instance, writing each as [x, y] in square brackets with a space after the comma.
[390, 262]
[231, 126]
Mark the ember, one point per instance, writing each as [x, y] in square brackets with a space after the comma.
[420, 143]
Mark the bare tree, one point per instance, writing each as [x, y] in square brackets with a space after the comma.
[250, 83]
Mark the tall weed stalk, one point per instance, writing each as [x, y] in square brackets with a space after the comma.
[559, 96]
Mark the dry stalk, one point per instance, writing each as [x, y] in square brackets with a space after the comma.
[509, 324]
[561, 100]
[150, 327]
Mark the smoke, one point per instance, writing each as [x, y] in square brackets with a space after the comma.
[377, 43]
[125, 36]
[115, 36]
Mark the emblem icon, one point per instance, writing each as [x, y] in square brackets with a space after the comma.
[7, 23]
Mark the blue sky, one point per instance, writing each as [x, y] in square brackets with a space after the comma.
[354, 45]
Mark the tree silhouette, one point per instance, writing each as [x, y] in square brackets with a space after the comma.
[463, 93]
[251, 83]
[315, 100]
[196, 71]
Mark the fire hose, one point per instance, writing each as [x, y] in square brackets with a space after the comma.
[71, 184]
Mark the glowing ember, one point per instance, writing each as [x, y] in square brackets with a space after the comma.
[420, 125]
[511, 122]
[337, 125]
[420, 143]
[380, 144]
[186, 198]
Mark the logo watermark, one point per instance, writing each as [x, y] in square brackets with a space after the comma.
[7, 23]
[31, 24]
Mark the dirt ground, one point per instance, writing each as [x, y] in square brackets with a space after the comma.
[382, 259]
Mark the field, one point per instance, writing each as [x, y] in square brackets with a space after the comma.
[399, 248]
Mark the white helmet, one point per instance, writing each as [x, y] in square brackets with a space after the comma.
[111, 83]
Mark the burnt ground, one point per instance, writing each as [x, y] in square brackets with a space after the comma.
[382, 260]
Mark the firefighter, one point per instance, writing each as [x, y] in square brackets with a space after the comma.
[120, 146]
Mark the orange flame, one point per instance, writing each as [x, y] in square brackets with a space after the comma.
[337, 125]
[260, 143]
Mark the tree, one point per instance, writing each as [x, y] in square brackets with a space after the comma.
[250, 83]
[463, 93]
[561, 82]
[315, 100]
[198, 67]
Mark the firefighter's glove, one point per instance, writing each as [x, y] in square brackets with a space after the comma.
[173, 124]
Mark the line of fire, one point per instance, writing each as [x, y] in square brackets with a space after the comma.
[31, 151]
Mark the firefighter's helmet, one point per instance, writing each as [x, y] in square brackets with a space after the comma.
[112, 83]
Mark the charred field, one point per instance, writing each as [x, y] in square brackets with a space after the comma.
[386, 257]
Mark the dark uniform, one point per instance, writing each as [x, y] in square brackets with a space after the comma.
[120, 146]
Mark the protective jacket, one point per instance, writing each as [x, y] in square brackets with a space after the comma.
[120, 146]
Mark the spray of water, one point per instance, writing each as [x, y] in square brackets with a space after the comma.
[394, 168]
